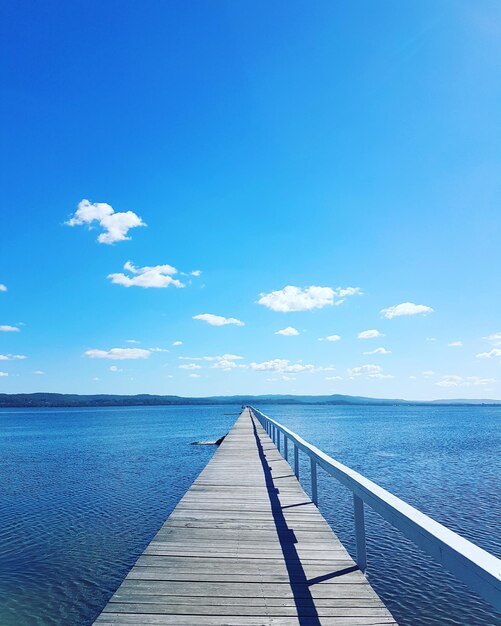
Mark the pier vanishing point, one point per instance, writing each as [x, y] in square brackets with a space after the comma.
[247, 546]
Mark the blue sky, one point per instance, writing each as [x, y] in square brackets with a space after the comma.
[346, 150]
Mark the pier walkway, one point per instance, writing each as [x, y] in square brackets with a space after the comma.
[245, 546]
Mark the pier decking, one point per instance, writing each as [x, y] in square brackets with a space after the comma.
[245, 546]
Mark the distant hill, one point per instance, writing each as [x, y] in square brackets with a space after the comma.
[75, 400]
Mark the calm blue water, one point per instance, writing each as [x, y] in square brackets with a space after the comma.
[83, 491]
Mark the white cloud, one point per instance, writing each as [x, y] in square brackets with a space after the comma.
[330, 338]
[12, 357]
[9, 329]
[39, 372]
[406, 308]
[177, 343]
[4, 374]
[158, 350]
[115, 368]
[281, 365]
[371, 371]
[225, 364]
[115, 225]
[494, 338]
[3, 287]
[194, 375]
[228, 357]
[156, 276]
[333, 378]
[218, 320]
[196, 273]
[455, 344]
[288, 332]
[431, 338]
[495, 352]
[460, 381]
[292, 298]
[379, 351]
[190, 366]
[412, 377]
[428, 373]
[133, 341]
[369, 334]
[119, 354]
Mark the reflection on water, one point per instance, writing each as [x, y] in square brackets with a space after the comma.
[83, 491]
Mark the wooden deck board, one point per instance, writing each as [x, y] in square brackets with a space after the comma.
[245, 546]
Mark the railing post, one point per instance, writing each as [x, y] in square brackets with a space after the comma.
[314, 489]
[296, 461]
[278, 440]
[286, 447]
[358, 507]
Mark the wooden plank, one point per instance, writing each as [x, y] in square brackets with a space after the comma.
[245, 545]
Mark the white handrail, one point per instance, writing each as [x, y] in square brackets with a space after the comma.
[479, 569]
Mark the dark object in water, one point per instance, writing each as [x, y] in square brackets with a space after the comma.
[218, 442]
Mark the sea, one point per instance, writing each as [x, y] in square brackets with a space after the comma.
[84, 490]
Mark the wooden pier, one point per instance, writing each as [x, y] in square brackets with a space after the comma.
[245, 546]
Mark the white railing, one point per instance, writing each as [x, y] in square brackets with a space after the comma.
[476, 567]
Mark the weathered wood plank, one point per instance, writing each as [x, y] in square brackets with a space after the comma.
[245, 545]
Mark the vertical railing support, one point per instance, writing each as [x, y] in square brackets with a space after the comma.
[358, 507]
[296, 461]
[278, 440]
[314, 488]
[286, 448]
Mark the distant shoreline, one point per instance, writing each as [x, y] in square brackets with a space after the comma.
[56, 400]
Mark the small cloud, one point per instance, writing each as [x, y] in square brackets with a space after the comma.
[4, 374]
[282, 365]
[369, 334]
[406, 308]
[431, 338]
[428, 373]
[218, 320]
[370, 370]
[330, 338]
[115, 368]
[147, 277]
[412, 377]
[460, 381]
[455, 344]
[379, 351]
[288, 332]
[177, 343]
[3, 287]
[12, 357]
[39, 372]
[190, 366]
[292, 298]
[133, 341]
[118, 354]
[492, 354]
[158, 350]
[196, 273]
[9, 329]
[225, 364]
[96, 378]
[115, 225]
[333, 378]
[227, 357]
[194, 375]
[495, 338]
